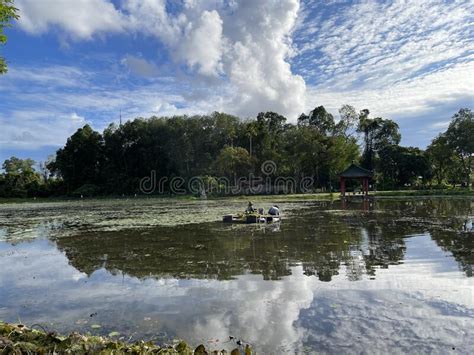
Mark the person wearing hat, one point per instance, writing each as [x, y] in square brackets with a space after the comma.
[250, 208]
[274, 210]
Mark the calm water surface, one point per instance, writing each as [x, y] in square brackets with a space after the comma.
[390, 276]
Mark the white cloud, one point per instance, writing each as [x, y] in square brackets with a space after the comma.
[399, 59]
[408, 61]
[257, 67]
[202, 46]
[375, 44]
[33, 129]
[50, 106]
[404, 98]
[80, 18]
[140, 66]
[440, 125]
[150, 17]
[246, 43]
[54, 76]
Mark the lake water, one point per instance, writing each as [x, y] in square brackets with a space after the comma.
[387, 276]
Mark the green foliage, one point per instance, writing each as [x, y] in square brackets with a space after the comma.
[219, 146]
[443, 159]
[348, 121]
[8, 12]
[319, 118]
[460, 137]
[232, 162]
[15, 166]
[19, 178]
[377, 133]
[402, 166]
[311, 153]
[81, 160]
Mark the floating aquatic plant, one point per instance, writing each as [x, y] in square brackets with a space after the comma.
[19, 339]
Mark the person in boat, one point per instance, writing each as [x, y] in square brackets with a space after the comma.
[274, 210]
[250, 208]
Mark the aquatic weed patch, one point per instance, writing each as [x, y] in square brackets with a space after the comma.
[19, 339]
[61, 219]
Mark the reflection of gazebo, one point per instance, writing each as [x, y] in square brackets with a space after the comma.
[357, 173]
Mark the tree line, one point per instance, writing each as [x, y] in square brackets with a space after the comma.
[220, 145]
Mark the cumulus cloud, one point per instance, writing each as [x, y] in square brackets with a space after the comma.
[257, 66]
[151, 17]
[80, 18]
[202, 47]
[140, 66]
[247, 44]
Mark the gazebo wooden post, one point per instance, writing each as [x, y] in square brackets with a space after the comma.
[342, 186]
[366, 186]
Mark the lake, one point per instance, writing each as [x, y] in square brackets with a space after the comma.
[385, 276]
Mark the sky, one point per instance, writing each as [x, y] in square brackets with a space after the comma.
[73, 62]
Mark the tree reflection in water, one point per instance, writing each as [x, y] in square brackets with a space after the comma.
[359, 236]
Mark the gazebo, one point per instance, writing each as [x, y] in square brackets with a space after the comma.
[355, 172]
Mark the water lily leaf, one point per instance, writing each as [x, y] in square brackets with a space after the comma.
[114, 334]
[96, 326]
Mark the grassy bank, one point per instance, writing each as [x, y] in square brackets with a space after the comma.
[439, 192]
[273, 198]
[19, 339]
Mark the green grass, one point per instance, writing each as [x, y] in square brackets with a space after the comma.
[280, 197]
[5, 200]
[444, 192]
[284, 197]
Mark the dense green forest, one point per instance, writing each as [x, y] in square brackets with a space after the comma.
[223, 146]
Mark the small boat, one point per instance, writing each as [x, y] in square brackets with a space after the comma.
[248, 218]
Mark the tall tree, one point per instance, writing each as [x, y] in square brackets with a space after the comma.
[377, 133]
[348, 120]
[80, 161]
[320, 119]
[233, 162]
[16, 166]
[19, 178]
[402, 166]
[268, 143]
[8, 12]
[460, 136]
[442, 157]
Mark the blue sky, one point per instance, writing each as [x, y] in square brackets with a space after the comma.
[73, 62]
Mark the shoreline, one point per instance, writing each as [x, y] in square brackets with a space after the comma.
[16, 338]
[458, 192]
